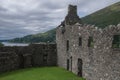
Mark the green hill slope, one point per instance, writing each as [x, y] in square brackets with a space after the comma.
[48, 36]
[104, 17]
[101, 18]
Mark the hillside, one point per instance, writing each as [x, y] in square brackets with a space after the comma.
[48, 36]
[104, 17]
[101, 18]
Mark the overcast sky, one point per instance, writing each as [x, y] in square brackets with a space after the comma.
[22, 17]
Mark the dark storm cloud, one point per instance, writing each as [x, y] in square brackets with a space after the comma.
[22, 17]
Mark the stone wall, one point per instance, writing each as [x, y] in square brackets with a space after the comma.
[34, 55]
[99, 62]
[44, 54]
[8, 61]
[87, 50]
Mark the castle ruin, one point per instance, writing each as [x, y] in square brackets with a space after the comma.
[86, 50]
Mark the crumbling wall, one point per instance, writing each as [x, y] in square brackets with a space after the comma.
[100, 61]
[34, 55]
[8, 61]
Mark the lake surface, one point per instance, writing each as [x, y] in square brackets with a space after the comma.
[14, 44]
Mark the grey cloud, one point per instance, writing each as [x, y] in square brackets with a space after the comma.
[22, 17]
[2, 9]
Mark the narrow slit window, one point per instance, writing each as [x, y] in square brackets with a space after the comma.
[116, 41]
[80, 41]
[63, 29]
[90, 42]
[67, 45]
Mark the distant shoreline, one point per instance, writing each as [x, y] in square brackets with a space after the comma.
[14, 44]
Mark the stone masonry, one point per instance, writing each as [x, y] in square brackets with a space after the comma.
[87, 50]
[34, 55]
[8, 61]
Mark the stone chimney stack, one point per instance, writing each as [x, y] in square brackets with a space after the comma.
[72, 10]
[72, 17]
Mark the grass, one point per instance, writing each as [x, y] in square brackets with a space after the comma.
[51, 73]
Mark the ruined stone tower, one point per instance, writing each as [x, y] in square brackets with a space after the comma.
[88, 51]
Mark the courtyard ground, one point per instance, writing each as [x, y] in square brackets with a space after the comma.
[46, 73]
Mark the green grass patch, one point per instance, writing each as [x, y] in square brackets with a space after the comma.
[46, 73]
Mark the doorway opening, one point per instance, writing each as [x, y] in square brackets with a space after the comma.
[71, 62]
[79, 64]
[67, 64]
